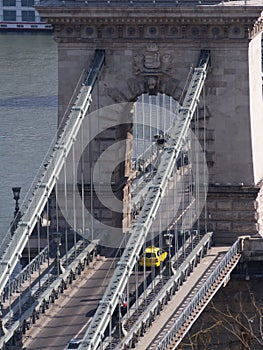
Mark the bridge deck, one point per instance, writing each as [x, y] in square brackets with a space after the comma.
[71, 314]
[201, 272]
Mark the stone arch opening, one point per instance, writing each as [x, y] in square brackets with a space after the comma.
[150, 138]
[152, 118]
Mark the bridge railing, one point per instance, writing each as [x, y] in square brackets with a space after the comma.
[16, 283]
[42, 296]
[222, 269]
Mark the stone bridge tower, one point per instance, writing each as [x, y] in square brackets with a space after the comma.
[149, 47]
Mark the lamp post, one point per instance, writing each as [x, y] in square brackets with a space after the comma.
[45, 218]
[168, 241]
[45, 221]
[17, 214]
[58, 268]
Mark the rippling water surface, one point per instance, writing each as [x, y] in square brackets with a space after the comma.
[28, 113]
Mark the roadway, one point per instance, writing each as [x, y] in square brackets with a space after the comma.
[71, 314]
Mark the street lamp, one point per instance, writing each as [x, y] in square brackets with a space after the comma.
[168, 241]
[17, 214]
[58, 268]
[16, 192]
[45, 221]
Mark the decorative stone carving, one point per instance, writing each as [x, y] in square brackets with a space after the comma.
[154, 66]
[258, 27]
[152, 83]
[152, 57]
[167, 63]
[136, 86]
[89, 31]
[152, 61]
[171, 88]
[69, 30]
[138, 63]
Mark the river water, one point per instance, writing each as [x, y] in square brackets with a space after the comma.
[28, 113]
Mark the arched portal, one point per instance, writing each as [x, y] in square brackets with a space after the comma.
[153, 121]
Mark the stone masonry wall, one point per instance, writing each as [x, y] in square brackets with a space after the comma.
[231, 212]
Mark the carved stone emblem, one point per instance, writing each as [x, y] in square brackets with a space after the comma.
[152, 57]
[152, 61]
[138, 63]
[154, 67]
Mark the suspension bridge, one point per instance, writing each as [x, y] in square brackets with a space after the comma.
[77, 214]
[50, 285]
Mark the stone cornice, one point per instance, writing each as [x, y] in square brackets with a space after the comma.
[231, 189]
[257, 28]
[143, 20]
[217, 22]
[204, 14]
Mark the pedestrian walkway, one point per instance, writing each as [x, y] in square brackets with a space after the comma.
[200, 272]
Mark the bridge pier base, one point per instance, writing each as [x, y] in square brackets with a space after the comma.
[231, 212]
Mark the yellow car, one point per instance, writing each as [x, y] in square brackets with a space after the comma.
[153, 256]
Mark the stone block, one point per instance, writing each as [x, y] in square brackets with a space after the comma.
[229, 71]
[225, 237]
[247, 216]
[243, 204]
[223, 226]
[244, 227]
[225, 215]
[224, 205]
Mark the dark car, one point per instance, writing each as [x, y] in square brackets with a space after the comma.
[73, 344]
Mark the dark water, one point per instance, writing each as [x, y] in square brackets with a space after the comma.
[28, 113]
